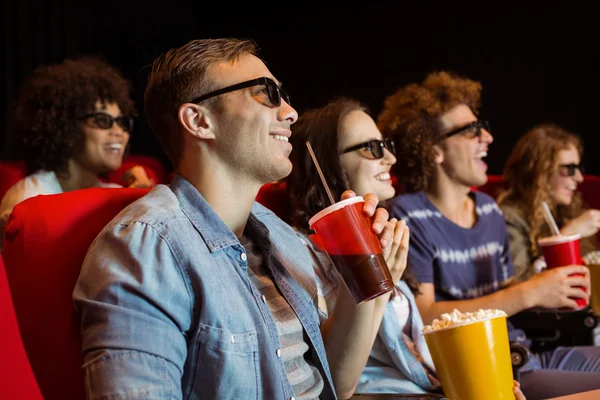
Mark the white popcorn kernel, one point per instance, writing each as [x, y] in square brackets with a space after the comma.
[456, 318]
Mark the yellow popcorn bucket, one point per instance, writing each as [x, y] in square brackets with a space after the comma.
[473, 360]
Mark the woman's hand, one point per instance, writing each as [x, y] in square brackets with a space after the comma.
[517, 391]
[396, 252]
[136, 177]
[393, 234]
[587, 224]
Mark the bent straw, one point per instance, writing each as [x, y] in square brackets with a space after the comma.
[310, 150]
[550, 219]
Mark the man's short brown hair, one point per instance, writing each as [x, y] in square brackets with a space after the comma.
[180, 75]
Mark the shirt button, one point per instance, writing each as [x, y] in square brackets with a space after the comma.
[264, 299]
[243, 256]
[293, 398]
[278, 352]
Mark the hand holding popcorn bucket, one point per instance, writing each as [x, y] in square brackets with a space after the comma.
[471, 354]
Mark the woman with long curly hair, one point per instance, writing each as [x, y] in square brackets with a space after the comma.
[544, 165]
[73, 121]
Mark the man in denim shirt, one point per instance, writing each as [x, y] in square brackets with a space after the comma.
[195, 291]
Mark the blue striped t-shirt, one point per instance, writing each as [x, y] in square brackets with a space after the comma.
[462, 263]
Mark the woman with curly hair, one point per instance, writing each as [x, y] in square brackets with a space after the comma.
[544, 165]
[73, 121]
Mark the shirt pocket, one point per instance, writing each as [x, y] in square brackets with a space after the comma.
[224, 364]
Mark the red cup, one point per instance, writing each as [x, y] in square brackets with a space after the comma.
[560, 251]
[345, 233]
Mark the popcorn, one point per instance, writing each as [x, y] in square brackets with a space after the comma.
[593, 257]
[456, 318]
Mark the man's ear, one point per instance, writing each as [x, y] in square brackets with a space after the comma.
[439, 154]
[195, 120]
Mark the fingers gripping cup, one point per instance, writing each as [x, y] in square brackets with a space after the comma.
[345, 233]
[471, 354]
[560, 251]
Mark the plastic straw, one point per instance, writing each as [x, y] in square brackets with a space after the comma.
[550, 219]
[310, 150]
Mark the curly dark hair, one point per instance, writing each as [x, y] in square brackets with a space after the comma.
[411, 116]
[52, 99]
[527, 174]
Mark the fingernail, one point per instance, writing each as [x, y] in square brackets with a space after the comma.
[384, 243]
[377, 227]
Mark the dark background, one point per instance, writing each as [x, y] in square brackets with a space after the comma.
[536, 64]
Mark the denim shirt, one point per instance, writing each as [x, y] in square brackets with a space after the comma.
[168, 311]
[392, 367]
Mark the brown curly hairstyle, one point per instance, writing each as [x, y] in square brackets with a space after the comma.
[411, 116]
[52, 99]
[527, 174]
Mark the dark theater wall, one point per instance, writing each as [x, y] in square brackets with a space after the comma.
[536, 64]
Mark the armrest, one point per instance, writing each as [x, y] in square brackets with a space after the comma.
[550, 328]
[544, 318]
[519, 356]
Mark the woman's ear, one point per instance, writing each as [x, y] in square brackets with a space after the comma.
[439, 154]
[195, 120]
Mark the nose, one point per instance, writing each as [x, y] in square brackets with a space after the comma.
[486, 136]
[117, 130]
[287, 112]
[388, 157]
[578, 177]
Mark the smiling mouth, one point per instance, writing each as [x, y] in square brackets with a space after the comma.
[384, 176]
[281, 137]
[114, 146]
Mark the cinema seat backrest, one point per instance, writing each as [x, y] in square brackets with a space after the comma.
[46, 239]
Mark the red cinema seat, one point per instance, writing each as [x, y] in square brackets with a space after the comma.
[492, 187]
[16, 377]
[10, 173]
[590, 191]
[45, 242]
[274, 196]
